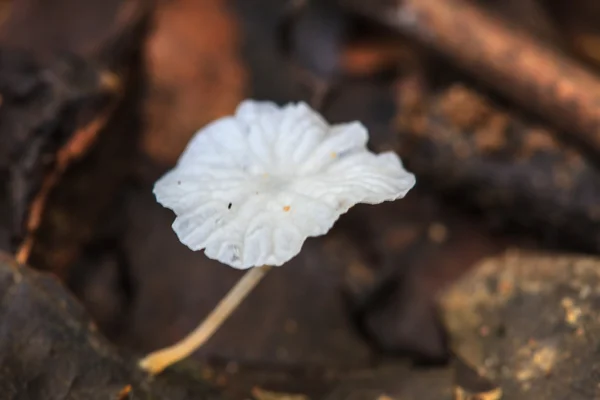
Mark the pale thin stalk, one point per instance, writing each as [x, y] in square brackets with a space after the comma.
[159, 360]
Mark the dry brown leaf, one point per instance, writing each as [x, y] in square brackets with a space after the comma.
[195, 73]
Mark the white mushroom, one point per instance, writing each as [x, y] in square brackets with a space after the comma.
[251, 188]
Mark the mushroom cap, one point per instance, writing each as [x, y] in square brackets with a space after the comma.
[250, 188]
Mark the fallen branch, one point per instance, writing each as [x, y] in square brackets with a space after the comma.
[530, 73]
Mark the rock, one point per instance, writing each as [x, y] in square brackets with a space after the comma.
[51, 350]
[530, 322]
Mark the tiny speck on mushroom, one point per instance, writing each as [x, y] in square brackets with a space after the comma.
[286, 208]
[229, 206]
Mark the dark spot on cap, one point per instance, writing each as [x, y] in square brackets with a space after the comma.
[229, 206]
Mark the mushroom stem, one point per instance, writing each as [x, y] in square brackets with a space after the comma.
[157, 361]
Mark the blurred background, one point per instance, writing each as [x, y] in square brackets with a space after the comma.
[494, 105]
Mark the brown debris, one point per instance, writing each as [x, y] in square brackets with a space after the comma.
[124, 393]
[60, 95]
[513, 170]
[261, 394]
[469, 384]
[55, 107]
[461, 394]
[539, 140]
[466, 109]
[437, 232]
[76, 148]
[531, 74]
[368, 58]
[90, 165]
